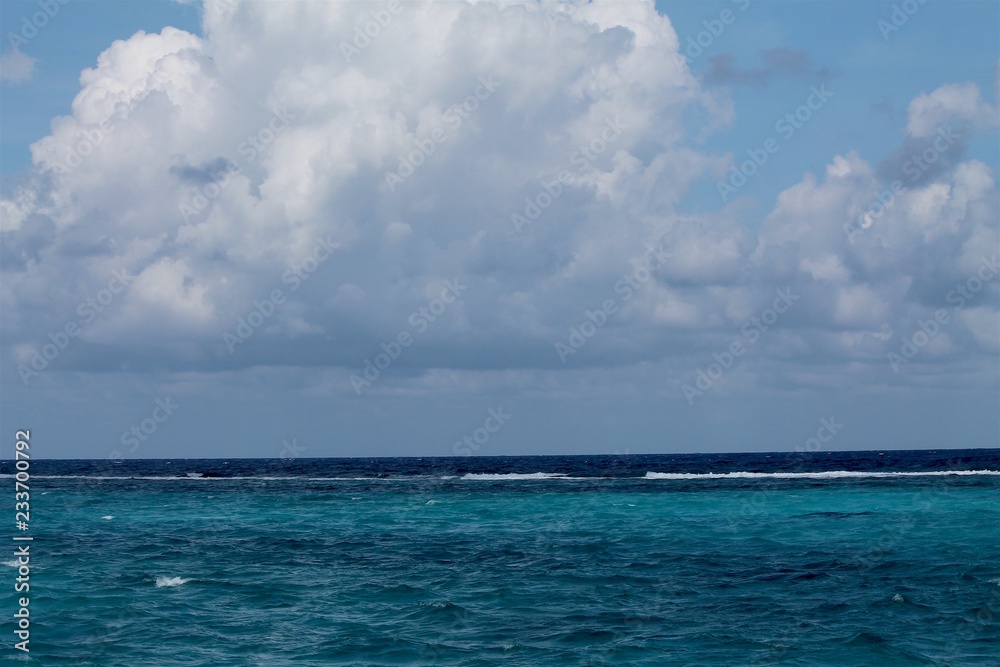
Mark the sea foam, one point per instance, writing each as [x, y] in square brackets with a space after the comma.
[829, 474]
[170, 581]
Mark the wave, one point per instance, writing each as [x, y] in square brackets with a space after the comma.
[198, 477]
[170, 581]
[491, 477]
[829, 474]
[515, 476]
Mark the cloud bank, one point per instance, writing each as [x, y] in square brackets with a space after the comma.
[309, 178]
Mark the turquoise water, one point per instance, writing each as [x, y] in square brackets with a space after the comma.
[481, 570]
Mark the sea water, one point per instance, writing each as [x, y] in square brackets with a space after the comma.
[871, 558]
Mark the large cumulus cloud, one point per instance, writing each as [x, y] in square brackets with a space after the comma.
[215, 165]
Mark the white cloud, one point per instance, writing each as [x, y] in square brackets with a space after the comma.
[16, 67]
[952, 102]
[161, 116]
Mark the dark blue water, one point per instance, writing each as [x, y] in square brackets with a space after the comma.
[871, 558]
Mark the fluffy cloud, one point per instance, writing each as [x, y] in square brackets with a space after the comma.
[358, 180]
[960, 102]
[16, 67]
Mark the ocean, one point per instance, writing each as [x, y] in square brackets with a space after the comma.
[852, 558]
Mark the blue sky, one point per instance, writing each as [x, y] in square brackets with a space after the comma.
[314, 198]
[69, 43]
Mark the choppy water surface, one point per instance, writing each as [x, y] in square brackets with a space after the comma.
[876, 558]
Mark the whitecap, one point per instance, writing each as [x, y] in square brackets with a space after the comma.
[108, 517]
[170, 581]
[485, 476]
[828, 474]
[11, 563]
[897, 598]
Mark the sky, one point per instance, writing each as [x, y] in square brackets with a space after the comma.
[282, 229]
